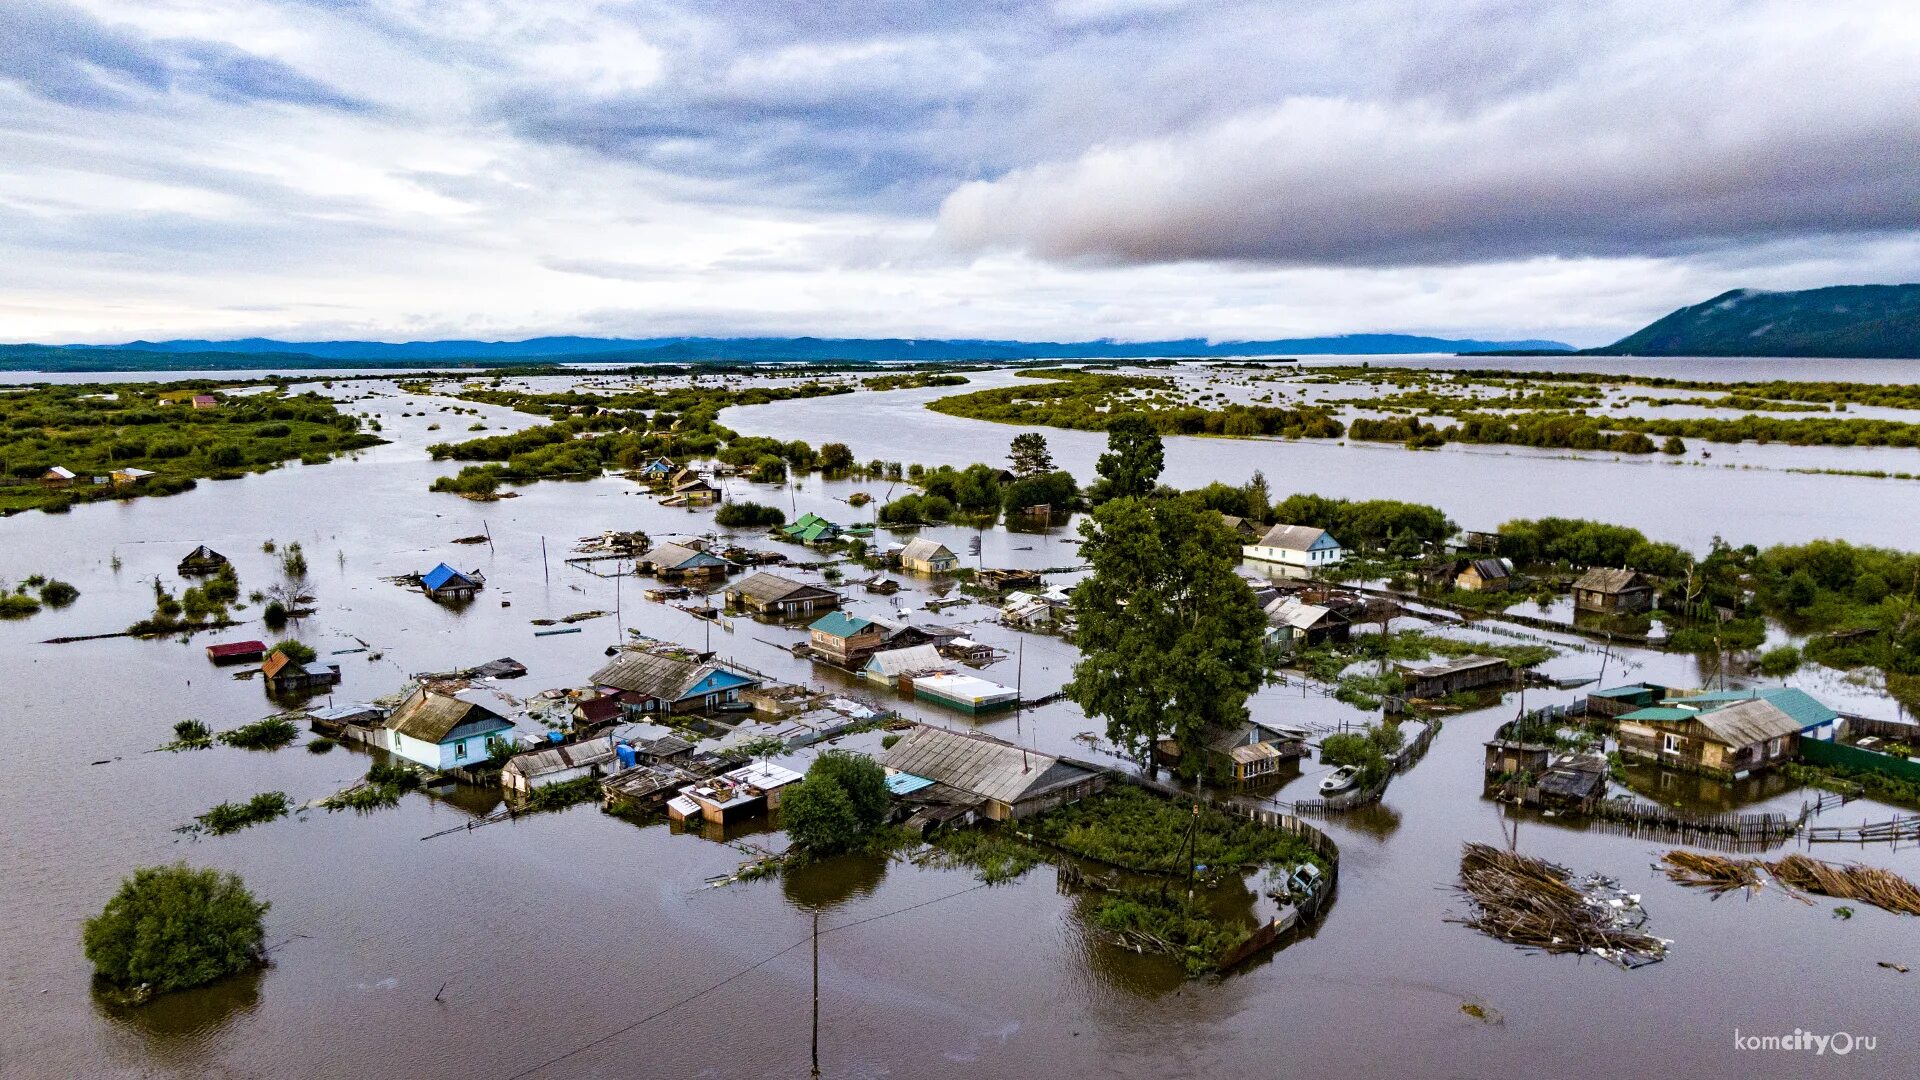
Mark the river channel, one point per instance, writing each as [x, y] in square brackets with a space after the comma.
[487, 953]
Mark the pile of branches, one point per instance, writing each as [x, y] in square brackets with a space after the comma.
[1531, 902]
[1799, 875]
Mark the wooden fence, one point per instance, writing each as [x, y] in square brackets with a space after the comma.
[1891, 831]
[1633, 818]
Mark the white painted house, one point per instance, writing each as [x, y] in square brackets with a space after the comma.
[1300, 546]
[441, 731]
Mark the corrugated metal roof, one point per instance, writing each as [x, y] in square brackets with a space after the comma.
[1805, 709]
[442, 574]
[555, 759]
[431, 716]
[677, 556]
[1749, 722]
[921, 549]
[840, 624]
[896, 662]
[651, 674]
[901, 783]
[1609, 580]
[1291, 537]
[769, 588]
[979, 764]
[1657, 713]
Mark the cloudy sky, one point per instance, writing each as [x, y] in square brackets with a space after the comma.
[402, 169]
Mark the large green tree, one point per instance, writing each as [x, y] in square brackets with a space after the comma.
[1030, 455]
[1134, 458]
[171, 927]
[843, 798]
[1170, 636]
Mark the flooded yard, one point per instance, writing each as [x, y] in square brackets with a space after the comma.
[552, 945]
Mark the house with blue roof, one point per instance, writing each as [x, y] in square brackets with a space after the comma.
[443, 582]
[1729, 733]
[844, 639]
[650, 682]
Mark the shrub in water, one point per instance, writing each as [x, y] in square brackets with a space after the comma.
[171, 928]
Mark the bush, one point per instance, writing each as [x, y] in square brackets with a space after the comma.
[1784, 660]
[58, 594]
[17, 606]
[270, 734]
[843, 798]
[743, 515]
[232, 817]
[275, 615]
[172, 928]
[297, 651]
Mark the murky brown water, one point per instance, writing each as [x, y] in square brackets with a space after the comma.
[547, 933]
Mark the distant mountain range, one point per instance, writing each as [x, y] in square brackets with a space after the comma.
[265, 353]
[1867, 321]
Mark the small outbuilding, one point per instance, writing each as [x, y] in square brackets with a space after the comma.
[237, 652]
[1612, 591]
[1456, 676]
[559, 764]
[1483, 575]
[685, 562]
[283, 676]
[202, 560]
[57, 477]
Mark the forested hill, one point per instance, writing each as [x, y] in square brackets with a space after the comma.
[1841, 321]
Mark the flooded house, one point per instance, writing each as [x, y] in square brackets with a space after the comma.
[685, 562]
[1455, 676]
[907, 635]
[924, 556]
[1247, 752]
[771, 594]
[657, 470]
[1029, 610]
[202, 560]
[443, 582]
[237, 652]
[694, 491]
[1483, 575]
[731, 796]
[283, 676]
[1242, 528]
[1619, 700]
[440, 731]
[888, 666]
[1302, 624]
[811, 529]
[1729, 739]
[559, 764]
[969, 694]
[1611, 591]
[1297, 547]
[1008, 781]
[649, 682]
[847, 640]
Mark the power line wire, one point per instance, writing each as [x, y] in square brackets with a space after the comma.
[755, 966]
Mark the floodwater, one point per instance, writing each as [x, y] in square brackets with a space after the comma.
[489, 952]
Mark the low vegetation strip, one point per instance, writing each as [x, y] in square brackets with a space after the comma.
[1088, 401]
[75, 443]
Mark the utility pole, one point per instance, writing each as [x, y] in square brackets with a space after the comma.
[546, 575]
[816, 994]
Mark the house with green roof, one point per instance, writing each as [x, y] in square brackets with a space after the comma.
[1729, 733]
[846, 639]
[811, 528]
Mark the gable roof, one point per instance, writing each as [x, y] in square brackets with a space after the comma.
[553, 759]
[1610, 580]
[840, 624]
[896, 662]
[1488, 569]
[1751, 721]
[60, 472]
[655, 675]
[1291, 612]
[442, 575]
[980, 764]
[921, 549]
[1804, 708]
[772, 588]
[1293, 537]
[203, 553]
[272, 665]
[676, 556]
[436, 717]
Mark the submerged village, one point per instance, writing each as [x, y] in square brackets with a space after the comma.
[600, 618]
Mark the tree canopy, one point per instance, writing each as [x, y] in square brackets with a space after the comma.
[1131, 466]
[1170, 636]
[1030, 455]
[843, 798]
[171, 928]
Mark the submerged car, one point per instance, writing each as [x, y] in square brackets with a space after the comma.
[1339, 779]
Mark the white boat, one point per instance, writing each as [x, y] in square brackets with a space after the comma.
[1339, 779]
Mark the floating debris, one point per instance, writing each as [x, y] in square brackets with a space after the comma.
[1800, 876]
[476, 538]
[1534, 903]
[1715, 873]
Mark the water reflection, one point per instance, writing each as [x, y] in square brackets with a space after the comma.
[175, 1025]
[825, 884]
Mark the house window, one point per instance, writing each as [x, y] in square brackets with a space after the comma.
[459, 750]
[1670, 744]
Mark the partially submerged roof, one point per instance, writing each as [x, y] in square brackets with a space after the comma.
[1465, 663]
[435, 717]
[981, 764]
[1610, 580]
[676, 556]
[554, 759]
[1292, 537]
[772, 588]
[237, 648]
[443, 575]
[914, 658]
[655, 675]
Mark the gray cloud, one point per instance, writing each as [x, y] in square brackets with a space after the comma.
[59, 52]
